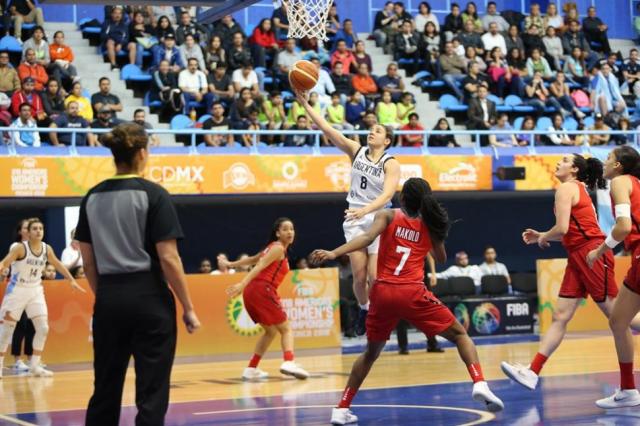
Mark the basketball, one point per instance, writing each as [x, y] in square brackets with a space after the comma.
[303, 75]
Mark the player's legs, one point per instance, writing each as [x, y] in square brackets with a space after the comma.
[359, 265]
[41, 325]
[252, 372]
[13, 305]
[19, 335]
[7, 327]
[607, 309]
[289, 366]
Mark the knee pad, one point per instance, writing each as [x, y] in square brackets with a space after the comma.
[41, 325]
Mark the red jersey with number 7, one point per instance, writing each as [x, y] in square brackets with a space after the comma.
[403, 246]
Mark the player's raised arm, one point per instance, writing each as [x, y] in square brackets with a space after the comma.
[343, 143]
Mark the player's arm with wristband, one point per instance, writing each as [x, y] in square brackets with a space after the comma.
[620, 192]
[276, 252]
[391, 181]
[563, 204]
[381, 221]
[53, 259]
[341, 142]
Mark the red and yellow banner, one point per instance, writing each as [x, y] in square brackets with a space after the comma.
[231, 174]
[310, 298]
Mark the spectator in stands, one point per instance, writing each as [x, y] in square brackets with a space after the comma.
[168, 12]
[575, 67]
[556, 134]
[469, 37]
[473, 81]
[502, 140]
[553, 19]
[71, 256]
[286, 59]
[9, 79]
[503, 81]
[296, 110]
[630, 71]
[25, 121]
[5, 107]
[600, 125]
[492, 267]
[405, 107]
[61, 68]
[191, 50]
[392, 82]
[355, 109]
[532, 40]
[424, 16]
[470, 56]
[413, 125]
[341, 81]
[246, 77]
[242, 108]
[606, 93]
[364, 83]
[333, 24]
[481, 113]
[368, 121]
[470, 14]
[401, 12]
[343, 55]
[453, 23]
[272, 115]
[534, 20]
[163, 28]
[238, 52]
[612, 60]
[406, 46]
[493, 16]
[39, 45]
[513, 40]
[217, 122]
[27, 94]
[194, 87]
[302, 123]
[573, 38]
[187, 27]
[384, 25]
[453, 69]
[263, 43]
[493, 38]
[220, 84]
[596, 31]
[139, 38]
[227, 28]
[560, 91]
[347, 34]
[30, 68]
[553, 47]
[71, 120]
[164, 87]
[114, 35]
[280, 22]
[462, 269]
[430, 46]
[105, 120]
[537, 95]
[387, 111]
[222, 261]
[215, 54]
[85, 110]
[105, 99]
[526, 139]
[445, 140]
[362, 57]
[626, 138]
[537, 62]
[140, 118]
[24, 11]
[205, 266]
[169, 52]
[336, 115]
[53, 99]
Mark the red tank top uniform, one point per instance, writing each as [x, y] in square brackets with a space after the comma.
[399, 291]
[260, 296]
[631, 243]
[584, 234]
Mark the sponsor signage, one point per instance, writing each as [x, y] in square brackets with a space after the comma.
[485, 317]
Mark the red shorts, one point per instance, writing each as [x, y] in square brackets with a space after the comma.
[262, 302]
[580, 280]
[391, 302]
[632, 280]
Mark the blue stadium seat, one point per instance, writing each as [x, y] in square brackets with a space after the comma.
[10, 44]
[180, 121]
[421, 74]
[544, 123]
[570, 123]
[132, 72]
[149, 103]
[204, 118]
[517, 123]
[550, 110]
[450, 103]
[588, 121]
[513, 100]
[432, 84]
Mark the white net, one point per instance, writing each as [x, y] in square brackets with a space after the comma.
[308, 18]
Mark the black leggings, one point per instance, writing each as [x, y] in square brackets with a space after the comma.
[24, 330]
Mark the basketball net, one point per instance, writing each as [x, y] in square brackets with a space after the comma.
[308, 18]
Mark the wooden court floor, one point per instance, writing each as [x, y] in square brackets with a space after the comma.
[208, 383]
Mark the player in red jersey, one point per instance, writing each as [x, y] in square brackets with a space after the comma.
[259, 290]
[407, 235]
[622, 167]
[577, 228]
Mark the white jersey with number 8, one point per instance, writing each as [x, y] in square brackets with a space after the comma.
[367, 179]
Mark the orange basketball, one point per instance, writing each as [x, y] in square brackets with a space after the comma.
[303, 75]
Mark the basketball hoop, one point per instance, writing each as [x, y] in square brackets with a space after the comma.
[308, 18]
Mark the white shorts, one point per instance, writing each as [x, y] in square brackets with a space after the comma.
[354, 228]
[20, 299]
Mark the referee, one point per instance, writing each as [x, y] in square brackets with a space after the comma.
[127, 231]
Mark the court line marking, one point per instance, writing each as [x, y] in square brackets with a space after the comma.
[16, 421]
[485, 416]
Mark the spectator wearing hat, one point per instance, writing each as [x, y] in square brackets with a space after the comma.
[462, 269]
[9, 79]
[27, 94]
[105, 120]
[599, 124]
[24, 11]
[168, 51]
[25, 121]
[31, 68]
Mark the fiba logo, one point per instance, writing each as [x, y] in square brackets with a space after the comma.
[239, 319]
[238, 176]
[339, 173]
[486, 318]
[462, 315]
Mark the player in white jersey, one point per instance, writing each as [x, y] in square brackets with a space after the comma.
[375, 176]
[24, 293]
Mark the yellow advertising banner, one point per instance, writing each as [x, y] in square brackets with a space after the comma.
[588, 317]
[310, 298]
[231, 174]
[540, 174]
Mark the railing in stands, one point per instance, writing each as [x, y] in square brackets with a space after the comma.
[317, 149]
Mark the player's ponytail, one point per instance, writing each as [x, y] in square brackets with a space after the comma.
[590, 172]
[417, 198]
[629, 159]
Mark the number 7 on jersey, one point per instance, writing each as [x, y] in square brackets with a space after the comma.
[406, 251]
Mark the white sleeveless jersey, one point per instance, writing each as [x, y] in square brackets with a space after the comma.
[367, 179]
[27, 272]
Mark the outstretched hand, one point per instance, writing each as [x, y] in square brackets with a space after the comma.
[301, 95]
[320, 256]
